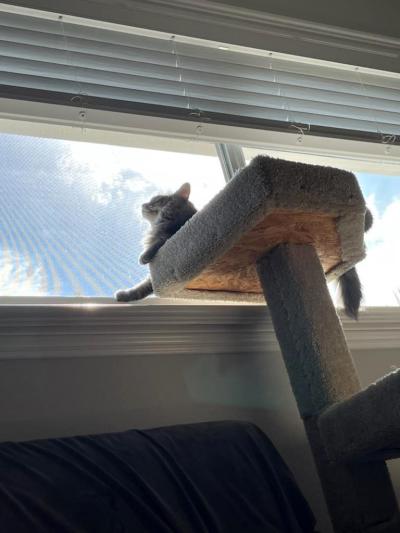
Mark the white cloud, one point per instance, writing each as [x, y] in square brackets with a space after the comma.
[102, 198]
[103, 167]
[18, 277]
[380, 271]
[135, 184]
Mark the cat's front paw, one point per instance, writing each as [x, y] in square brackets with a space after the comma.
[144, 258]
[122, 296]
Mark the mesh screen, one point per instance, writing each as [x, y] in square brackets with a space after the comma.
[70, 222]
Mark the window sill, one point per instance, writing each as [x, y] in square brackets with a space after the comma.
[91, 302]
[100, 327]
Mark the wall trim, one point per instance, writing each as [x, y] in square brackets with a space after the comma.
[102, 330]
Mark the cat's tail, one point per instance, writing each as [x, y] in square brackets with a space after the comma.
[138, 292]
[350, 287]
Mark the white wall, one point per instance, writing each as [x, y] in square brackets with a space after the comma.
[61, 396]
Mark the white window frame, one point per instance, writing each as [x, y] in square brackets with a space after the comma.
[109, 127]
[64, 122]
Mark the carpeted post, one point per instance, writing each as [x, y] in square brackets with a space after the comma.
[360, 496]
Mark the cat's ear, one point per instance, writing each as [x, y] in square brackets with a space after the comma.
[184, 191]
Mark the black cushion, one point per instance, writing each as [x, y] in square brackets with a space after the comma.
[211, 477]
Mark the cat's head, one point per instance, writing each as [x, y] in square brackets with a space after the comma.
[168, 203]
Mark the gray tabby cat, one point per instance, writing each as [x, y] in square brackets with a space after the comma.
[166, 215]
[350, 284]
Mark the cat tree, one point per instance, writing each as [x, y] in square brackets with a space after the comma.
[279, 229]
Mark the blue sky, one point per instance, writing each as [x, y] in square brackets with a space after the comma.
[58, 238]
[70, 220]
[383, 188]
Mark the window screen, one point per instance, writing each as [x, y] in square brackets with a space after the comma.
[70, 220]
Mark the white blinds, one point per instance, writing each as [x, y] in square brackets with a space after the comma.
[56, 61]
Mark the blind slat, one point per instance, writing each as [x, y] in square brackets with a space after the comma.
[162, 87]
[49, 55]
[212, 106]
[348, 83]
[13, 55]
[97, 37]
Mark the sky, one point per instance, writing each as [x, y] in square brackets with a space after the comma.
[380, 271]
[70, 222]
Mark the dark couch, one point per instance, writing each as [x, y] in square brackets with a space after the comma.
[220, 477]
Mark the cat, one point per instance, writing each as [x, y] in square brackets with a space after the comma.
[166, 215]
[350, 284]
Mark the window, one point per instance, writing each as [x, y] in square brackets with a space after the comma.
[379, 272]
[70, 220]
[70, 223]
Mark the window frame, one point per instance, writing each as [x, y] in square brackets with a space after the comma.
[109, 127]
[122, 129]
